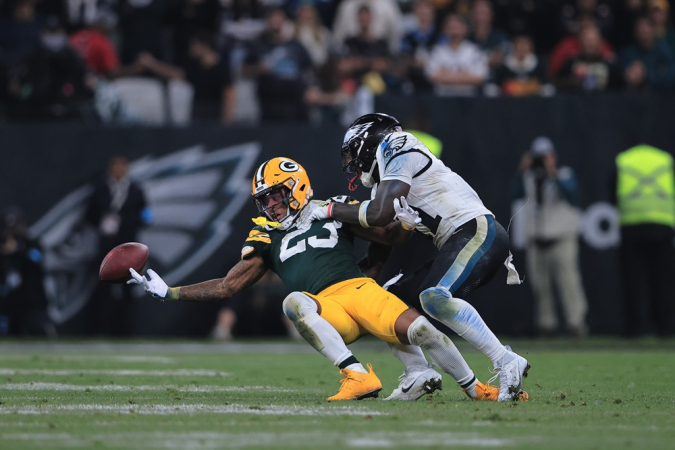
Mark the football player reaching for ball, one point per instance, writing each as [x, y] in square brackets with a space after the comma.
[333, 303]
[472, 245]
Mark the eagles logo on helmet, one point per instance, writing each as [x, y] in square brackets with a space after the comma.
[360, 144]
[284, 176]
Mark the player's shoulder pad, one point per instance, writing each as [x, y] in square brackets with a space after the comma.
[259, 234]
[396, 143]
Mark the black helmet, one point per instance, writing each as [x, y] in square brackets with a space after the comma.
[361, 141]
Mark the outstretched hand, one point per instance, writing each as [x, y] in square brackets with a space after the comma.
[408, 217]
[154, 286]
[316, 210]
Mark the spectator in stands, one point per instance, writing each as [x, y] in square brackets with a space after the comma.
[386, 21]
[458, 67]
[626, 12]
[309, 31]
[418, 43]
[551, 217]
[537, 19]
[331, 91]
[522, 72]
[142, 25]
[186, 18]
[20, 34]
[76, 14]
[209, 74]
[494, 43]
[366, 58]
[568, 47]
[589, 71]
[97, 49]
[572, 12]
[243, 20]
[50, 83]
[663, 27]
[649, 63]
[282, 67]
[23, 304]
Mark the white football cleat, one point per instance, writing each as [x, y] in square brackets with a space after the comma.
[416, 382]
[511, 376]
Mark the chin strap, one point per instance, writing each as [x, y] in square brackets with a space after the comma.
[352, 183]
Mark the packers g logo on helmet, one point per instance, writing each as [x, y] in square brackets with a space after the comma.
[288, 175]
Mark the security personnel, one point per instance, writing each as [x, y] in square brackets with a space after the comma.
[645, 197]
[434, 145]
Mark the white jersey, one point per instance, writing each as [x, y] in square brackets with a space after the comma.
[443, 199]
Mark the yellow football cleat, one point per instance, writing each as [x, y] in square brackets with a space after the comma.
[485, 392]
[357, 385]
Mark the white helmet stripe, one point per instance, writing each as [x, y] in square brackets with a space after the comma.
[259, 176]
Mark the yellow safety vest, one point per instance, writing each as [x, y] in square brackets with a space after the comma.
[434, 145]
[645, 188]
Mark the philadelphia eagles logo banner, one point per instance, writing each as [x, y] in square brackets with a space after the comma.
[194, 195]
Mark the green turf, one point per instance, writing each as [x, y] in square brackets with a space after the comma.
[592, 394]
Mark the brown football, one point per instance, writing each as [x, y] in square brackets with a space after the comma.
[116, 264]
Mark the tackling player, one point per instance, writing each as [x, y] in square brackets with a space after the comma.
[332, 303]
[472, 244]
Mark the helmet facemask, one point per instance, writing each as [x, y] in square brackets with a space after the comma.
[358, 163]
[276, 204]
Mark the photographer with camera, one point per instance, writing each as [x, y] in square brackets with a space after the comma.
[552, 231]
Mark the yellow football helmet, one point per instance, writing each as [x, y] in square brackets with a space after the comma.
[287, 177]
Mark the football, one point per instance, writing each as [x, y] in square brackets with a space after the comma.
[116, 264]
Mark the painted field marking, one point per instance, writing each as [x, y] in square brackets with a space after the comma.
[261, 439]
[118, 372]
[37, 386]
[267, 410]
[98, 357]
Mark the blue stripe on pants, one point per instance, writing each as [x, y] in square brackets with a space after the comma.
[469, 256]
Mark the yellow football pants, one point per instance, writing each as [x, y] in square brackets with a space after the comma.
[359, 306]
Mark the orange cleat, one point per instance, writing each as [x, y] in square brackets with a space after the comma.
[357, 385]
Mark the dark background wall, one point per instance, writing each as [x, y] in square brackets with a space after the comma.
[483, 141]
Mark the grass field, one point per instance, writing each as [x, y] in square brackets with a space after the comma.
[595, 394]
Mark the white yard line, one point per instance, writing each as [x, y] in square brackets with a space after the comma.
[103, 357]
[267, 410]
[261, 439]
[117, 372]
[36, 386]
[168, 347]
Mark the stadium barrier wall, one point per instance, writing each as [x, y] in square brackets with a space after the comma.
[198, 232]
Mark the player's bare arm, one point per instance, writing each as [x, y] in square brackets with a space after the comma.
[392, 234]
[380, 210]
[244, 274]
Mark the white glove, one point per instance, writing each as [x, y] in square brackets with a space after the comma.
[154, 286]
[408, 217]
[316, 210]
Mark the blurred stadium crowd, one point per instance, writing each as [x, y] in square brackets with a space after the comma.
[243, 61]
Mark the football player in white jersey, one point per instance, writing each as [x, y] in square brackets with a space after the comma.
[439, 203]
